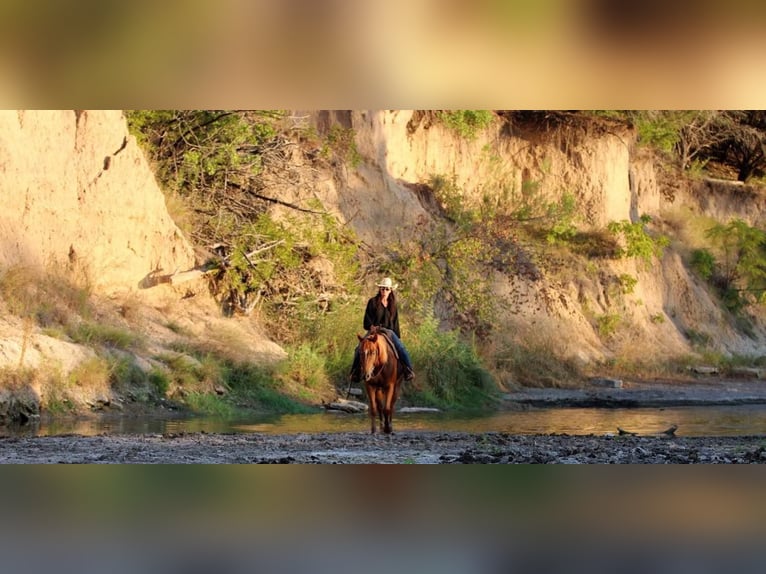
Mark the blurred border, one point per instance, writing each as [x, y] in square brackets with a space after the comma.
[280, 54]
[294, 54]
[456, 519]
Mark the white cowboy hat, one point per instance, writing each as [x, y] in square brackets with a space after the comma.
[386, 282]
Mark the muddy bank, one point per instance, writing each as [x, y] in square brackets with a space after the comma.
[405, 447]
[657, 393]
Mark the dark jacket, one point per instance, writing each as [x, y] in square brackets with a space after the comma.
[377, 314]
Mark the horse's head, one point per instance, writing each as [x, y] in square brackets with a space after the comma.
[370, 351]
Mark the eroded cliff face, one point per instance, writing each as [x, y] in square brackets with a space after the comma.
[610, 178]
[76, 193]
[79, 202]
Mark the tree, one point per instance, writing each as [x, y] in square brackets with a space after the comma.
[698, 133]
[743, 143]
[741, 269]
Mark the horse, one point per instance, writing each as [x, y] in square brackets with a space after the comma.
[379, 367]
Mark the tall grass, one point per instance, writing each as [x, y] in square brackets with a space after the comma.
[450, 372]
[43, 295]
[536, 365]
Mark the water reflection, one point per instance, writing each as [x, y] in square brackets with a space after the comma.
[691, 421]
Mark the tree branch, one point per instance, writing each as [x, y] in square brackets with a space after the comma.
[275, 200]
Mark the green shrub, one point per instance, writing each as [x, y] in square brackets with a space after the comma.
[305, 366]
[160, 380]
[703, 262]
[450, 373]
[657, 129]
[466, 123]
[210, 404]
[639, 243]
[608, 324]
[627, 283]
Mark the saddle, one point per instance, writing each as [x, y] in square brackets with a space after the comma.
[391, 345]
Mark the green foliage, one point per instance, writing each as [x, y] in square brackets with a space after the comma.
[342, 143]
[201, 150]
[449, 194]
[125, 373]
[739, 272]
[638, 241]
[627, 283]
[305, 366]
[658, 129]
[270, 265]
[450, 373]
[209, 404]
[607, 324]
[216, 160]
[703, 262]
[94, 334]
[466, 123]
[562, 214]
[159, 380]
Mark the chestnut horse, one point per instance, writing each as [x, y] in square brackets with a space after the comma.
[379, 368]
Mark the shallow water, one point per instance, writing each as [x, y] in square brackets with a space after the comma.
[692, 421]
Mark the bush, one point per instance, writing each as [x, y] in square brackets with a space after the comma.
[466, 123]
[703, 262]
[450, 373]
[638, 241]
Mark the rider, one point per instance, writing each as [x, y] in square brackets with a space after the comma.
[382, 311]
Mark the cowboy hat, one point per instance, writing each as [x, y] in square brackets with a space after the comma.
[386, 282]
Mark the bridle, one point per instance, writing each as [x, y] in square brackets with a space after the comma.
[374, 354]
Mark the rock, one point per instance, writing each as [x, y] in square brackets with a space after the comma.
[19, 408]
[346, 406]
[606, 383]
[418, 410]
[703, 370]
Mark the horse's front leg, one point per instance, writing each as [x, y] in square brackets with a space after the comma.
[388, 409]
[372, 400]
[381, 401]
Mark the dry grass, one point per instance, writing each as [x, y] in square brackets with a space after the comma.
[532, 362]
[180, 212]
[688, 229]
[47, 297]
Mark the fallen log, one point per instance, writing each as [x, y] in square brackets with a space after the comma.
[346, 406]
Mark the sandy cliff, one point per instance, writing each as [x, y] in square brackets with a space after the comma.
[79, 201]
[611, 179]
[77, 193]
